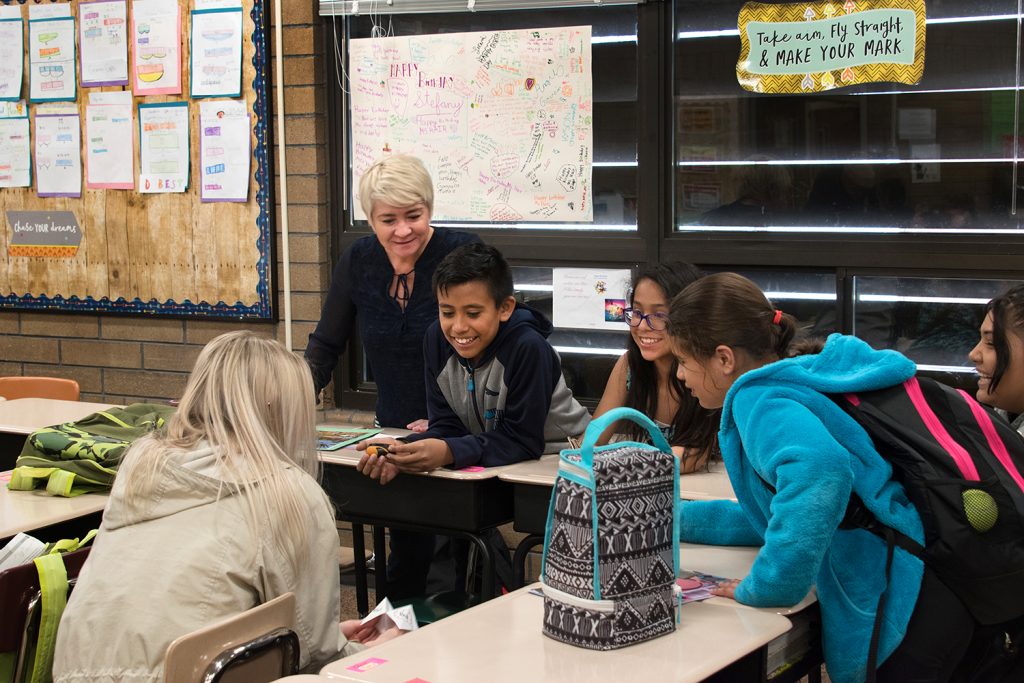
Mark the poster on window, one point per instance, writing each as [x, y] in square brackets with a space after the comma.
[817, 46]
[589, 298]
[503, 120]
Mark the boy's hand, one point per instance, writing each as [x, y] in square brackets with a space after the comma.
[420, 456]
[418, 425]
[374, 462]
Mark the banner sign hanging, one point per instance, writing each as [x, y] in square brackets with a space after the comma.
[811, 47]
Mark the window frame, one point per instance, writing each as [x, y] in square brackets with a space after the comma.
[847, 254]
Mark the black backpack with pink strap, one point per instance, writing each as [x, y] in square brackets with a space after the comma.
[963, 469]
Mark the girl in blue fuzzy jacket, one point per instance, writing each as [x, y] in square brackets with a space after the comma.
[781, 432]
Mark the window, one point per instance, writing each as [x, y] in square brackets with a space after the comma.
[889, 211]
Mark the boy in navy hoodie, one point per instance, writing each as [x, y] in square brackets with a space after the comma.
[495, 390]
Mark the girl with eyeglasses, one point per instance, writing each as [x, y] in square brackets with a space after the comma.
[644, 377]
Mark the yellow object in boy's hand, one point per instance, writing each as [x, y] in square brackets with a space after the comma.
[377, 450]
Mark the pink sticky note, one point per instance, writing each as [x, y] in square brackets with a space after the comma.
[5, 476]
[417, 680]
[367, 665]
[472, 468]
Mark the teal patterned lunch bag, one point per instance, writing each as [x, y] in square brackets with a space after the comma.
[611, 552]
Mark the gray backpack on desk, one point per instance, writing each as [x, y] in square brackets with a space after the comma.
[611, 550]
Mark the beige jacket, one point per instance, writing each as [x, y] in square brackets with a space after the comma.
[192, 560]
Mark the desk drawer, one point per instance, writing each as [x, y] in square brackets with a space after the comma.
[460, 504]
[531, 507]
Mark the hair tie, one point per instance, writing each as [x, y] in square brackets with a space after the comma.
[778, 317]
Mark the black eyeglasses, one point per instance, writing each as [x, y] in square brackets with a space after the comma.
[655, 321]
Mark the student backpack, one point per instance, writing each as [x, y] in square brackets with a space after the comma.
[963, 470]
[611, 552]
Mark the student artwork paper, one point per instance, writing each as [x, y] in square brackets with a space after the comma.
[224, 137]
[216, 53]
[58, 155]
[590, 298]
[163, 147]
[109, 153]
[51, 54]
[104, 42]
[156, 50]
[12, 53]
[503, 120]
[15, 150]
[385, 616]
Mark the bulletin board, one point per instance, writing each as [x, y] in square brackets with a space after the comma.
[158, 254]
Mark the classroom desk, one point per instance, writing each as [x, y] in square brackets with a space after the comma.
[730, 562]
[457, 503]
[531, 492]
[30, 511]
[20, 417]
[501, 642]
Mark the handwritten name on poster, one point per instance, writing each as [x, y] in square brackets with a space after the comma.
[818, 46]
[502, 119]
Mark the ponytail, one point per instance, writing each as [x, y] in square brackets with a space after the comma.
[726, 309]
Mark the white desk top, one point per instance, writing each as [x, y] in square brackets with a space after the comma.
[711, 485]
[730, 562]
[26, 415]
[28, 510]
[349, 457]
[501, 641]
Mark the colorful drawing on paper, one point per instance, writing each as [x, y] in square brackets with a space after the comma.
[156, 33]
[15, 149]
[216, 53]
[502, 119]
[12, 48]
[58, 155]
[816, 46]
[104, 42]
[51, 58]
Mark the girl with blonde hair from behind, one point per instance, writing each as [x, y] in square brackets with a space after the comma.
[217, 514]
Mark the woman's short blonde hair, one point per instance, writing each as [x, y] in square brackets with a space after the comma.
[399, 181]
[251, 401]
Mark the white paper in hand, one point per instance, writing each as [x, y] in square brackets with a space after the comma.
[384, 616]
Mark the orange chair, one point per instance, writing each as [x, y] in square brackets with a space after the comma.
[39, 387]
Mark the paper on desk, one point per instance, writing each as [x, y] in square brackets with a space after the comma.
[20, 550]
[384, 616]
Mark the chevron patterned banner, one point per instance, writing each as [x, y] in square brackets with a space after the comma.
[816, 46]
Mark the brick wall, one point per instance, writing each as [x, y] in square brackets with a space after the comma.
[121, 360]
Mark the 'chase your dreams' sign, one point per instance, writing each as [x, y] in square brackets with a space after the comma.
[817, 46]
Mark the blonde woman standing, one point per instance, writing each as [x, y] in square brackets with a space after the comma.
[220, 513]
[381, 291]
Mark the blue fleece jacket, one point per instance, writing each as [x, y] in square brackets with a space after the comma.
[507, 406]
[778, 426]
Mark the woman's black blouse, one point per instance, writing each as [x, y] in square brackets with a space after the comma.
[392, 338]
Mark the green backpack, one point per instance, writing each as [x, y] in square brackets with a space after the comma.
[82, 456]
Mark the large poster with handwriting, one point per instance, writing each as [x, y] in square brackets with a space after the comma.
[502, 119]
[816, 46]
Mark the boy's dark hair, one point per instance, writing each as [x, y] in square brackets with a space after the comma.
[475, 262]
[1007, 311]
